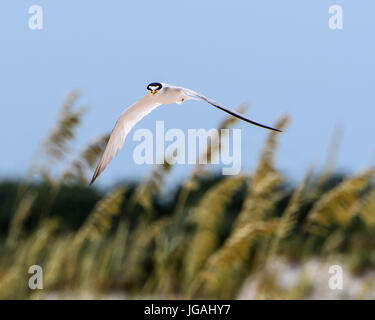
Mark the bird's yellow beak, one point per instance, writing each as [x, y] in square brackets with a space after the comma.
[153, 92]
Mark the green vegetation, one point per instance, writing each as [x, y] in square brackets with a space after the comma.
[205, 239]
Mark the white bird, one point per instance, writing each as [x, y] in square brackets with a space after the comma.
[158, 94]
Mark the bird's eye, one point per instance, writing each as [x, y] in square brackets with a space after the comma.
[155, 86]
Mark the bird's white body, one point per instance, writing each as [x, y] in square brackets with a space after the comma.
[159, 94]
[168, 95]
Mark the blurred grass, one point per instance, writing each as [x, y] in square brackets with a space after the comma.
[204, 240]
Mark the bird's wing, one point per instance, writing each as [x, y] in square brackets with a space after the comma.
[193, 94]
[127, 120]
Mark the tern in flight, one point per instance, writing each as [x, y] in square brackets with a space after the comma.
[158, 94]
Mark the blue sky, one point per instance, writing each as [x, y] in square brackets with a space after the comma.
[280, 56]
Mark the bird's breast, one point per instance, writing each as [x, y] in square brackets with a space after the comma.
[170, 96]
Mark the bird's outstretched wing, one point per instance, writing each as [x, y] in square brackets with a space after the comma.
[127, 120]
[198, 95]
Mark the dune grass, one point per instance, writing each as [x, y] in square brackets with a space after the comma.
[213, 235]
